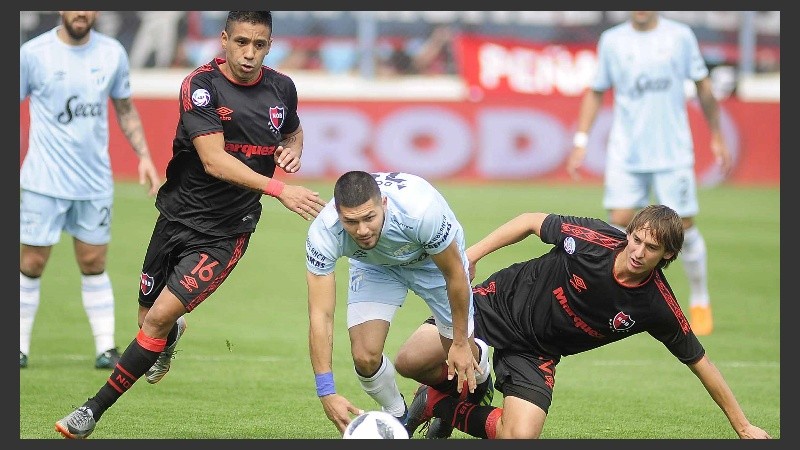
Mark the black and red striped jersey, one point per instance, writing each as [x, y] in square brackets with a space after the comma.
[568, 301]
[253, 118]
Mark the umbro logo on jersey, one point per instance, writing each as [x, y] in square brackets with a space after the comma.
[578, 283]
[359, 254]
[224, 113]
[189, 283]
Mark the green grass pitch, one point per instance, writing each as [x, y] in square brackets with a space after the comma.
[243, 372]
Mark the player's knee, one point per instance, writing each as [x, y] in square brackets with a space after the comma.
[517, 432]
[519, 428]
[366, 363]
[403, 363]
[93, 264]
[32, 263]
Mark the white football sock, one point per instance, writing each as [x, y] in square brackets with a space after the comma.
[98, 302]
[483, 363]
[694, 257]
[28, 305]
[382, 387]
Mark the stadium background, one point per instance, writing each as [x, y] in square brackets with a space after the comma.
[433, 112]
[460, 95]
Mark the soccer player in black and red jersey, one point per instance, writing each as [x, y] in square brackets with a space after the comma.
[238, 121]
[597, 285]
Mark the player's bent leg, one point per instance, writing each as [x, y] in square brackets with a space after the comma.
[373, 368]
[421, 355]
[521, 419]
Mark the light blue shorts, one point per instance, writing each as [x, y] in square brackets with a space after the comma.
[42, 219]
[674, 188]
[389, 285]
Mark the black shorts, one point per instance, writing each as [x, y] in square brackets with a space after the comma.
[520, 374]
[191, 264]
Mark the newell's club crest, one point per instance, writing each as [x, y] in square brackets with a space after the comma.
[276, 115]
[146, 284]
[621, 322]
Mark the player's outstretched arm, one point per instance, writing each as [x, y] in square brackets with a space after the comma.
[461, 364]
[301, 200]
[719, 390]
[321, 308]
[508, 233]
[219, 164]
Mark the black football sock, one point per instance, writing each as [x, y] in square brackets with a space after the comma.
[450, 387]
[467, 417]
[133, 363]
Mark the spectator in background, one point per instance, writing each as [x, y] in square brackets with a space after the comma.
[417, 56]
[66, 182]
[646, 60]
[297, 59]
[201, 42]
[157, 35]
[433, 56]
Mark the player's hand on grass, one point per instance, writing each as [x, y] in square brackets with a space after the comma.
[302, 201]
[753, 432]
[338, 409]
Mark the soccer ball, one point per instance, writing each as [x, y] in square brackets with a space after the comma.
[375, 425]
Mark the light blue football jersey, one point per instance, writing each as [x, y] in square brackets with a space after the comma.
[418, 223]
[69, 89]
[647, 70]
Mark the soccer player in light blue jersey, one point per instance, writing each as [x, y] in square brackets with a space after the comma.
[646, 61]
[399, 235]
[69, 73]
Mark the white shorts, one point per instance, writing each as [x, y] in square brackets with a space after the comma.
[42, 219]
[375, 292]
[674, 188]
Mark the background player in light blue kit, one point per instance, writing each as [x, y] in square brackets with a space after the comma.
[69, 73]
[650, 151]
[399, 234]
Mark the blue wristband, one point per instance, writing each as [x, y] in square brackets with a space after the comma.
[324, 384]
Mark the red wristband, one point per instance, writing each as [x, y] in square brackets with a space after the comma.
[274, 187]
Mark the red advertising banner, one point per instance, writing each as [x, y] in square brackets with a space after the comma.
[517, 139]
[494, 67]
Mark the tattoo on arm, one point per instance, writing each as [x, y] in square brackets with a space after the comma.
[131, 125]
[294, 141]
[289, 140]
